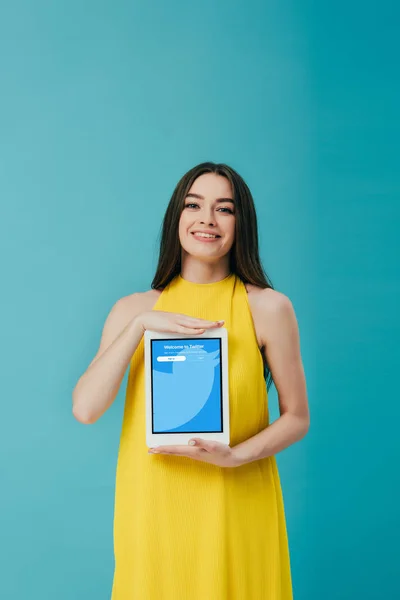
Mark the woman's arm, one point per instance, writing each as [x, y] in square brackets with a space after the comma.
[97, 388]
[281, 341]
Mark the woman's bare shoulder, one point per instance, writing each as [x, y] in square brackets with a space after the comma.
[132, 304]
[264, 304]
[265, 298]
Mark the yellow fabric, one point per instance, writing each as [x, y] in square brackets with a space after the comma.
[185, 529]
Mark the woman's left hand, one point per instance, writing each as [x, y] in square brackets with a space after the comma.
[208, 451]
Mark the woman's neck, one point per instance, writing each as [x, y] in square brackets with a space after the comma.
[200, 271]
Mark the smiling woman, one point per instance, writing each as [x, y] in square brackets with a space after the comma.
[204, 520]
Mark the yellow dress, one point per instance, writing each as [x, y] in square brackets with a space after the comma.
[185, 529]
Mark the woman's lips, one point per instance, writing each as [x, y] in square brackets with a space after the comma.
[201, 238]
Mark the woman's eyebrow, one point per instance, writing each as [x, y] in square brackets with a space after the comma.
[199, 197]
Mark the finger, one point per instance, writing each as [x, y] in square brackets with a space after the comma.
[182, 329]
[186, 320]
[182, 450]
[190, 330]
[215, 324]
[208, 445]
[200, 443]
[202, 329]
[201, 326]
[167, 448]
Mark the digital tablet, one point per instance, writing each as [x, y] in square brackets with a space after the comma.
[186, 387]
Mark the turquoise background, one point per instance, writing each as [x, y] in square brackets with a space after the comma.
[103, 107]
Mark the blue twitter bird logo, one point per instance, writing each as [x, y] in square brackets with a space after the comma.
[179, 396]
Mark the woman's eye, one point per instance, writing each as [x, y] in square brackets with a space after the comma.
[224, 209]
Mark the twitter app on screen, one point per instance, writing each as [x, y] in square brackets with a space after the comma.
[186, 385]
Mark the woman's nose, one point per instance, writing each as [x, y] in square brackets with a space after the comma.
[209, 219]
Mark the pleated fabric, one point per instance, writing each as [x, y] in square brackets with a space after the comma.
[185, 529]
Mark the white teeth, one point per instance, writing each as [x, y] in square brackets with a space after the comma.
[206, 235]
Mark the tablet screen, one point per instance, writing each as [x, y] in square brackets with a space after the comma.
[186, 385]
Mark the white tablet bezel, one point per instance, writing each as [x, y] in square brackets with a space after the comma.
[158, 439]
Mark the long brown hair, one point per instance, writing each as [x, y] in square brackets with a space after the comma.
[244, 255]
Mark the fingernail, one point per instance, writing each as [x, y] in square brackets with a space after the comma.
[192, 443]
[220, 322]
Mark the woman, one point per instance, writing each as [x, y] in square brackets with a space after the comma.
[204, 521]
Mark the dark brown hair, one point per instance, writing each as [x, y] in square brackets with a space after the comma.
[244, 255]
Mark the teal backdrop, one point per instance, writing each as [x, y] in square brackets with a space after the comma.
[103, 107]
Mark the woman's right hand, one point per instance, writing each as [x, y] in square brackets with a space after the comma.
[171, 322]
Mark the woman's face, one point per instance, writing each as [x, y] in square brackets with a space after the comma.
[207, 222]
